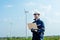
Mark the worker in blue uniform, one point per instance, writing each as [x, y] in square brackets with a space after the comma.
[38, 34]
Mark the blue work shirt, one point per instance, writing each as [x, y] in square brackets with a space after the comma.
[40, 30]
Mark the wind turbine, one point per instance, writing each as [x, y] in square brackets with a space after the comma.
[25, 11]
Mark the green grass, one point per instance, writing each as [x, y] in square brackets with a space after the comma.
[29, 38]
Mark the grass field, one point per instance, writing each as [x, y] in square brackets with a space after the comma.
[29, 38]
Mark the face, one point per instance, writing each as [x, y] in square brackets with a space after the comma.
[36, 16]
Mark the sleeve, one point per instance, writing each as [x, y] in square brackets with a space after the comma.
[42, 29]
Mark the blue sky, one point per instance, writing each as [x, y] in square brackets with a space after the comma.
[12, 16]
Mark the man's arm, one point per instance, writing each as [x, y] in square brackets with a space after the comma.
[42, 27]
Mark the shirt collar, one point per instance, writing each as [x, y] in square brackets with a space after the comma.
[37, 19]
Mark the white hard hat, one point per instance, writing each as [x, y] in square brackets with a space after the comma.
[36, 12]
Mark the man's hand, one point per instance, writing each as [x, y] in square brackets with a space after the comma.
[34, 30]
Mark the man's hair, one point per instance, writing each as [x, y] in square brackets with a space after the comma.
[36, 13]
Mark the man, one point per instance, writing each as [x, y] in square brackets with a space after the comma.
[39, 34]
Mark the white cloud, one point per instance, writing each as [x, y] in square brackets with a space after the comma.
[9, 6]
[0, 20]
[57, 14]
[49, 7]
[5, 19]
[46, 8]
[52, 20]
[30, 4]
